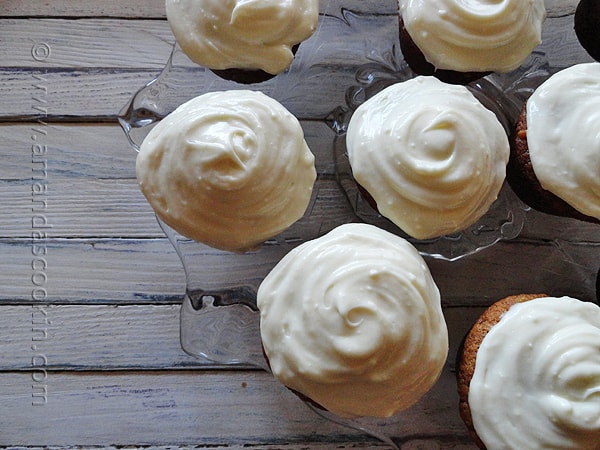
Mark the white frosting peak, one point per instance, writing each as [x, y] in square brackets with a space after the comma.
[353, 320]
[536, 383]
[242, 34]
[563, 136]
[229, 169]
[430, 154]
[474, 35]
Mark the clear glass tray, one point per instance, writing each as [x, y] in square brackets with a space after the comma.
[219, 317]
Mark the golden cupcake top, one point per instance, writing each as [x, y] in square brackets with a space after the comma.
[563, 137]
[474, 35]
[430, 154]
[242, 34]
[536, 383]
[353, 321]
[229, 169]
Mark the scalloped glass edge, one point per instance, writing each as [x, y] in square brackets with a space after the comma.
[503, 94]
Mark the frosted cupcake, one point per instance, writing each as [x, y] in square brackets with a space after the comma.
[529, 375]
[353, 321]
[555, 157]
[459, 41]
[431, 156]
[247, 41]
[228, 169]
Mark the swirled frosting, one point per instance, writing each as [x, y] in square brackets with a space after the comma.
[242, 34]
[229, 169]
[536, 383]
[353, 321]
[474, 35]
[432, 157]
[563, 136]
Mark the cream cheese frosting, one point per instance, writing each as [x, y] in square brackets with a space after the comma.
[563, 136]
[229, 169]
[242, 34]
[353, 320]
[430, 154]
[536, 383]
[474, 35]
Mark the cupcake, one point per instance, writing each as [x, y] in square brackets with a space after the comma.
[459, 41]
[529, 375]
[587, 26]
[555, 151]
[429, 154]
[247, 41]
[353, 321]
[228, 169]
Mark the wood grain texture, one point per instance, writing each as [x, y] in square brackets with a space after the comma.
[154, 408]
[148, 9]
[125, 271]
[88, 337]
[91, 271]
[175, 405]
[100, 341]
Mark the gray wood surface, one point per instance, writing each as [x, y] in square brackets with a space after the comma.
[94, 359]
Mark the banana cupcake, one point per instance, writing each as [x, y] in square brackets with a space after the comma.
[229, 169]
[555, 152]
[429, 154]
[353, 322]
[529, 375]
[247, 41]
[459, 41]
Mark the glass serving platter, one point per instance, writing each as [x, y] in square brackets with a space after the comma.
[353, 52]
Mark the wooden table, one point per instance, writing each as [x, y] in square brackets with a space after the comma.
[90, 288]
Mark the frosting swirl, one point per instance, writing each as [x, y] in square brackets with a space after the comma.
[353, 320]
[563, 136]
[536, 383]
[474, 35]
[431, 156]
[230, 169]
[242, 34]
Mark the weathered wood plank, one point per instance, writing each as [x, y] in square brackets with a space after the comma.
[93, 337]
[76, 208]
[117, 271]
[83, 8]
[90, 271]
[192, 408]
[125, 337]
[151, 9]
[107, 43]
[80, 150]
[95, 95]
